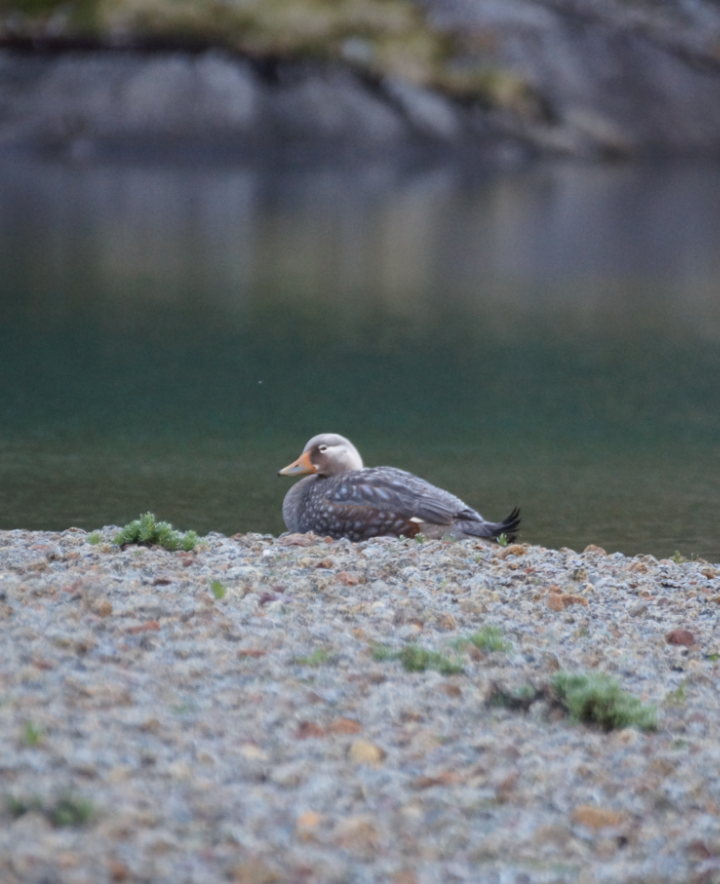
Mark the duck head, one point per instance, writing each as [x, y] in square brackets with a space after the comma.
[325, 455]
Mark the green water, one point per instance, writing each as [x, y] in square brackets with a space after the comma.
[170, 338]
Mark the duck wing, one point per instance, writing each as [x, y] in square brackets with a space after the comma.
[386, 500]
[390, 490]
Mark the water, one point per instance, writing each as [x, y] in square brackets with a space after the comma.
[171, 337]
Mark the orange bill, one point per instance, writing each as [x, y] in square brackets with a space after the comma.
[299, 467]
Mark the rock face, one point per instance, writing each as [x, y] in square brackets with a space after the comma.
[578, 77]
[644, 73]
[100, 102]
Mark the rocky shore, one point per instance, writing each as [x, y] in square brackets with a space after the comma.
[301, 710]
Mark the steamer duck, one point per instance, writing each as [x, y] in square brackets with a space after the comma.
[342, 498]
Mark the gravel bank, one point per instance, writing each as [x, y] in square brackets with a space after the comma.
[258, 738]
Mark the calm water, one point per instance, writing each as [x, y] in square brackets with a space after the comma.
[169, 338]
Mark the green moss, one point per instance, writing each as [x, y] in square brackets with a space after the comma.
[596, 698]
[146, 530]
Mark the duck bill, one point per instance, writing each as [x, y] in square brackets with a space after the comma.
[299, 467]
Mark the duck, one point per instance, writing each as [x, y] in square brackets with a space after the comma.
[341, 497]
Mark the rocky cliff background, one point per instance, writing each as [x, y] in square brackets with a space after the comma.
[493, 80]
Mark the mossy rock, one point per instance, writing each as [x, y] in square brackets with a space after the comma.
[379, 37]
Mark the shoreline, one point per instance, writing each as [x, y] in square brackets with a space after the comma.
[242, 713]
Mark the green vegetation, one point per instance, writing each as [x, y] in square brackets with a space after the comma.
[598, 699]
[70, 810]
[218, 590]
[502, 539]
[94, 538]
[678, 557]
[319, 657]
[417, 659]
[677, 697]
[148, 531]
[18, 807]
[379, 37]
[490, 638]
[67, 810]
[31, 735]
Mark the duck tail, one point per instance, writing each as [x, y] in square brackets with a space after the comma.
[509, 525]
[493, 530]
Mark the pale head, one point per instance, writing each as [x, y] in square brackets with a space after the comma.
[325, 455]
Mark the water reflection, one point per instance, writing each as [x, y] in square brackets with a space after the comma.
[169, 337]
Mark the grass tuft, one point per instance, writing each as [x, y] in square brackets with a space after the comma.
[678, 557]
[417, 659]
[490, 638]
[319, 657]
[70, 810]
[31, 735]
[147, 531]
[67, 810]
[597, 698]
[678, 697]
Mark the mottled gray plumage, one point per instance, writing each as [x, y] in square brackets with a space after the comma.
[341, 498]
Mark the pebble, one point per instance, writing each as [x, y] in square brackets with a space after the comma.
[274, 735]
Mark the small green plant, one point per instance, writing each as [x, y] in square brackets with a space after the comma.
[18, 807]
[382, 653]
[218, 590]
[678, 557]
[146, 530]
[598, 699]
[94, 538]
[67, 810]
[417, 659]
[713, 658]
[677, 697]
[419, 538]
[31, 735]
[319, 657]
[502, 539]
[490, 638]
[70, 810]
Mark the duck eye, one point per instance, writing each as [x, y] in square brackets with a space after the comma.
[322, 448]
